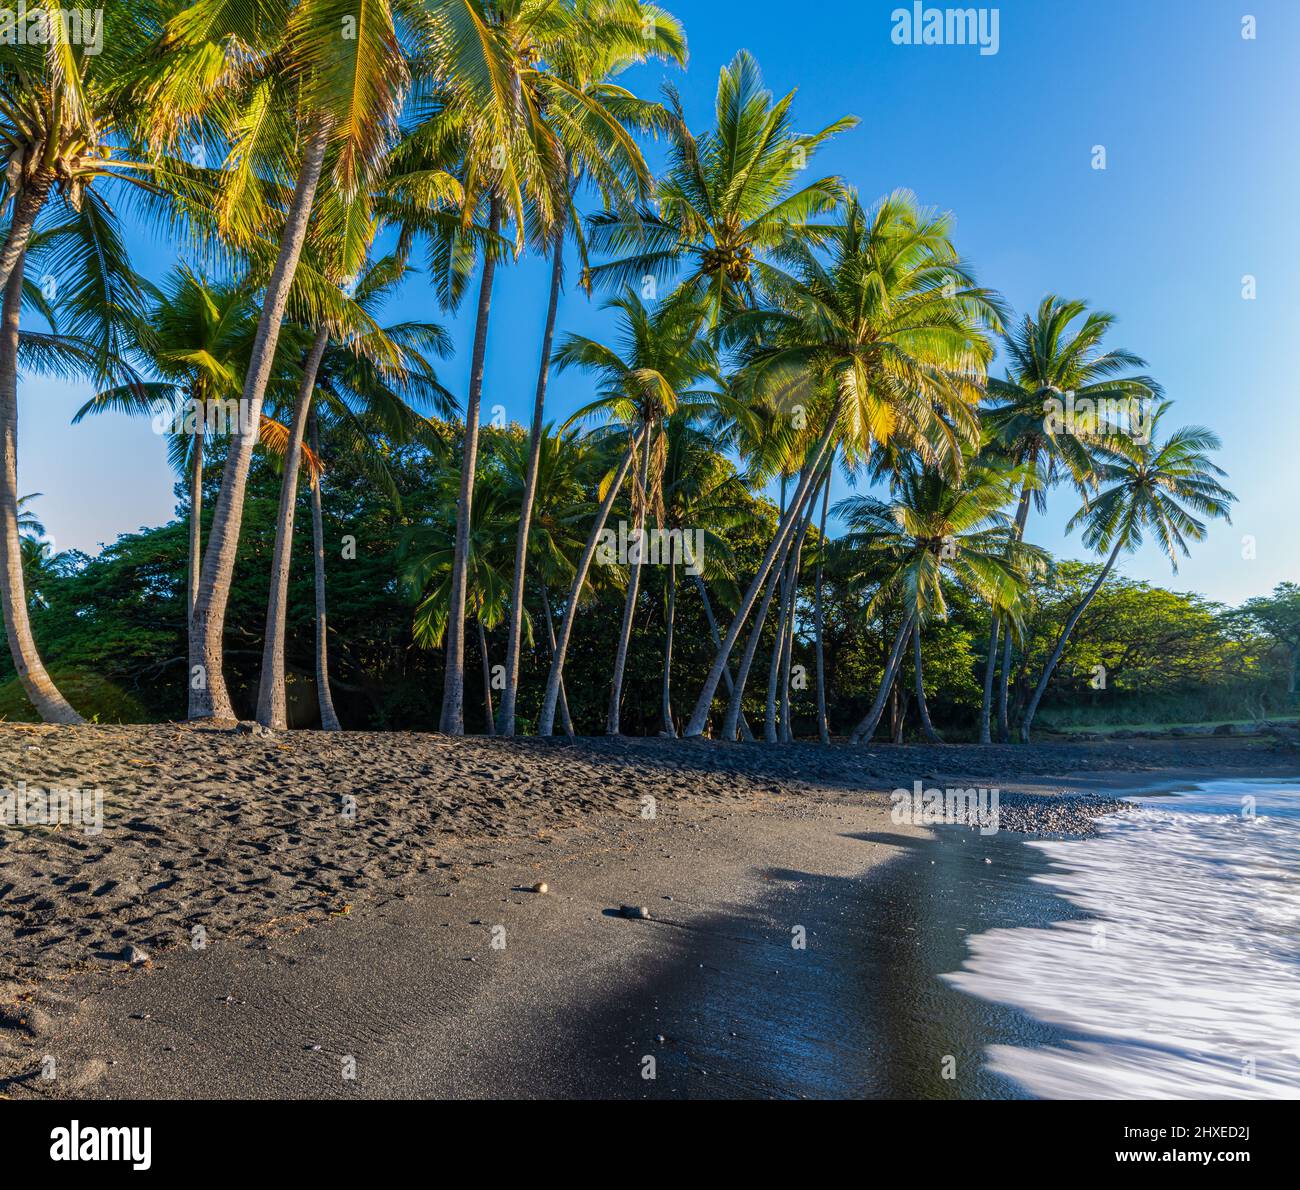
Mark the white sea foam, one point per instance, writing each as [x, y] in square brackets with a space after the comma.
[1185, 980]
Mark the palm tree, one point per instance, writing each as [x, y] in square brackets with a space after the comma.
[385, 364]
[934, 528]
[568, 470]
[428, 550]
[647, 377]
[1144, 485]
[884, 342]
[733, 198]
[588, 114]
[342, 95]
[485, 105]
[98, 293]
[1049, 356]
[819, 618]
[67, 128]
[700, 492]
[196, 336]
[70, 121]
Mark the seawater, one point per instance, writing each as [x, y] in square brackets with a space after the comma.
[1182, 980]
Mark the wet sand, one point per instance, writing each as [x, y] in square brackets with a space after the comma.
[407, 941]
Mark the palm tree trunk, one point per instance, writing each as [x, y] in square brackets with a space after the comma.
[546, 720]
[787, 651]
[729, 723]
[329, 720]
[770, 735]
[633, 586]
[745, 733]
[670, 611]
[787, 660]
[487, 679]
[703, 704]
[31, 198]
[209, 698]
[1032, 709]
[774, 662]
[778, 678]
[530, 495]
[271, 693]
[922, 707]
[196, 518]
[565, 721]
[1004, 722]
[41, 691]
[452, 721]
[823, 725]
[1004, 727]
[867, 728]
[990, 666]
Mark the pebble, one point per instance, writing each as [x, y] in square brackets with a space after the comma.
[135, 956]
[635, 911]
[541, 887]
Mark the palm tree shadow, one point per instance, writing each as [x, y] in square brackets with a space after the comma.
[827, 988]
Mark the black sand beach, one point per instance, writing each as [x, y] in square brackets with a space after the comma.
[403, 953]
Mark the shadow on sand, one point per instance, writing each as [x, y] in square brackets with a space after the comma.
[859, 1013]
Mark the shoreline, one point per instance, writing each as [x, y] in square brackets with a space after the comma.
[391, 957]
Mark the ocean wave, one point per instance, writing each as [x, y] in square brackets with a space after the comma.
[1184, 982]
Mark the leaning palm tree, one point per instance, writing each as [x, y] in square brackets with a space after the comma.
[1145, 485]
[481, 103]
[1050, 356]
[428, 552]
[701, 492]
[71, 118]
[590, 116]
[301, 94]
[734, 199]
[886, 341]
[650, 374]
[568, 470]
[386, 366]
[68, 132]
[933, 529]
[97, 294]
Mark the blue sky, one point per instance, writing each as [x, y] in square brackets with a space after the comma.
[1201, 188]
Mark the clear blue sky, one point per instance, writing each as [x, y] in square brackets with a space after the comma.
[1202, 187]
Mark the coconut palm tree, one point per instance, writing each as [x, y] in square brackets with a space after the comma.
[642, 380]
[301, 93]
[429, 549]
[569, 468]
[733, 201]
[68, 130]
[71, 117]
[380, 368]
[196, 336]
[1051, 355]
[589, 115]
[484, 106]
[1144, 485]
[932, 529]
[95, 292]
[648, 376]
[702, 499]
[819, 617]
[369, 406]
[885, 341]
